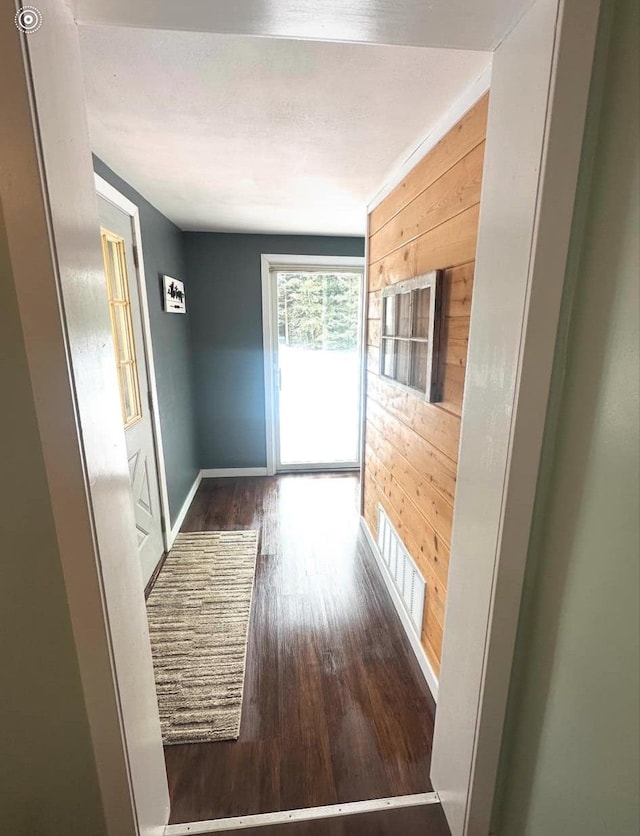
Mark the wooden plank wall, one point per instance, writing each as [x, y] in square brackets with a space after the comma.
[429, 221]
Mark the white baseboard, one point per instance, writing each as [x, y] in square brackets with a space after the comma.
[425, 666]
[216, 472]
[183, 511]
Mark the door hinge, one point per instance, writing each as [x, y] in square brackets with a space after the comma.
[135, 257]
[150, 400]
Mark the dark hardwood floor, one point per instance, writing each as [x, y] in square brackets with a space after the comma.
[414, 821]
[335, 708]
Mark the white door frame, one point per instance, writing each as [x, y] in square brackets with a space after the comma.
[270, 343]
[109, 193]
[539, 88]
[50, 211]
[51, 218]
[540, 80]
[537, 107]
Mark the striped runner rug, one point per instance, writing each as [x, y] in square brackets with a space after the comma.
[198, 613]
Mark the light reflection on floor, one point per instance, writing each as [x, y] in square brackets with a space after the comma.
[318, 548]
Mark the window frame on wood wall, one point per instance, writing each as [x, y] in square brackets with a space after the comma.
[431, 281]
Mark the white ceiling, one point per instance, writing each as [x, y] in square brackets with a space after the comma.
[236, 133]
[451, 24]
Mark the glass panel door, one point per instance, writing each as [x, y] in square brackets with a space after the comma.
[318, 385]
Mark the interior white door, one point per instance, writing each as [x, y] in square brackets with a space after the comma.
[122, 293]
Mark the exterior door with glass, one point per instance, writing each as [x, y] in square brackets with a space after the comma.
[317, 382]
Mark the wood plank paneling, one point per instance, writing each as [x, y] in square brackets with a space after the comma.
[447, 245]
[373, 359]
[409, 520]
[370, 507]
[373, 332]
[456, 327]
[458, 189]
[436, 509]
[435, 595]
[436, 591]
[428, 222]
[374, 310]
[454, 352]
[457, 290]
[462, 138]
[428, 420]
[434, 654]
[432, 642]
[424, 456]
[395, 267]
[452, 389]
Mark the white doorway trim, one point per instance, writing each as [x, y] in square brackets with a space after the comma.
[52, 229]
[268, 261]
[537, 106]
[540, 79]
[105, 190]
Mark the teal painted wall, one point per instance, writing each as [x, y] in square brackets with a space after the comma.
[570, 763]
[225, 285]
[209, 366]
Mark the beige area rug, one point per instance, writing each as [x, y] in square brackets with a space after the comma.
[198, 615]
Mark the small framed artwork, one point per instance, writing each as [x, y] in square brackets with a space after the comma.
[174, 301]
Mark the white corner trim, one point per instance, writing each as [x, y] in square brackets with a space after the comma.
[329, 811]
[182, 513]
[454, 114]
[105, 190]
[217, 472]
[421, 657]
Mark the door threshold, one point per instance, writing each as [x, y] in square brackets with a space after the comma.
[304, 814]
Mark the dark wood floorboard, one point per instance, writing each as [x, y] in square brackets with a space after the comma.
[411, 821]
[335, 708]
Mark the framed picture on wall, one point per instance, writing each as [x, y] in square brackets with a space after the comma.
[174, 300]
